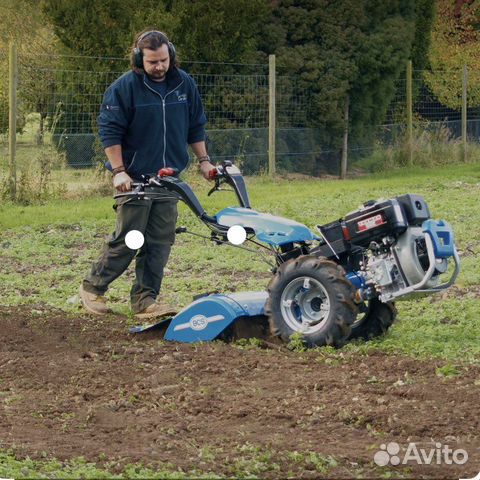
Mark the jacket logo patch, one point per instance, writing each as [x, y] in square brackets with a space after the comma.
[181, 97]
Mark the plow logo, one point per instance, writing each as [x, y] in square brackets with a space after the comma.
[441, 454]
[199, 322]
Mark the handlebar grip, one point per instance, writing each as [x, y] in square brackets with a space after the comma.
[167, 172]
[213, 174]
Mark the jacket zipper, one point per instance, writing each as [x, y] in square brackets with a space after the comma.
[164, 133]
[164, 120]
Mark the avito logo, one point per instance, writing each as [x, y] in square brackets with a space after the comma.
[441, 454]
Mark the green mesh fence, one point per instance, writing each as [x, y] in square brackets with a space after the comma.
[59, 100]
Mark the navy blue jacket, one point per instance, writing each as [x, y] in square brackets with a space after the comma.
[154, 131]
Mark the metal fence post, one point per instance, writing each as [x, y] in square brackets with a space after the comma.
[464, 112]
[12, 119]
[409, 114]
[271, 115]
[343, 169]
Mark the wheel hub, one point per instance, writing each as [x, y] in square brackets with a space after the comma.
[316, 304]
[305, 305]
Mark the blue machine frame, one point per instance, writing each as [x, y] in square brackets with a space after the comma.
[269, 229]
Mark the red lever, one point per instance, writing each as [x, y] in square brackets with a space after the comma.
[166, 172]
[212, 174]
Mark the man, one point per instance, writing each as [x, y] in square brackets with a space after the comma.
[148, 118]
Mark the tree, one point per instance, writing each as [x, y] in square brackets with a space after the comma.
[455, 42]
[24, 24]
[424, 17]
[220, 31]
[386, 45]
[96, 29]
[341, 51]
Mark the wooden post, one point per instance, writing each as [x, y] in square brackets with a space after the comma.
[464, 113]
[12, 119]
[271, 115]
[343, 170]
[409, 114]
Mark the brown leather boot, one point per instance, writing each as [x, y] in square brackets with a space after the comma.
[157, 310]
[93, 303]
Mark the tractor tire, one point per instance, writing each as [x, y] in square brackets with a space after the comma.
[375, 319]
[311, 296]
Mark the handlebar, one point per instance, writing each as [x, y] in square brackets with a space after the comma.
[213, 174]
[166, 179]
[220, 172]
[167, 172]
[227, 172]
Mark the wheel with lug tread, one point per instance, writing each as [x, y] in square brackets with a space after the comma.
[311, 296]
[374, 319]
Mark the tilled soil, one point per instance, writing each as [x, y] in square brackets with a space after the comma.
[83, 386]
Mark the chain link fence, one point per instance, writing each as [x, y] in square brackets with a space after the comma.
[59, 99]
[236, 105]
[437, 124]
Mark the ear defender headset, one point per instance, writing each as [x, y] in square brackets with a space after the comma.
[138, 54]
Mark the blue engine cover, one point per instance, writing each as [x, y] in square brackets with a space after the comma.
[442, 237]
[268, 228]
[205, 318]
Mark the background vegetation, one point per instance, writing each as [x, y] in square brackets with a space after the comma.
[345, 56]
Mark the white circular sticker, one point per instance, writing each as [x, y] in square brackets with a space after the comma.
[134, 239]
[198, 322]
[236, 234]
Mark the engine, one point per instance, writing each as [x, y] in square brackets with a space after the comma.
[391, 248]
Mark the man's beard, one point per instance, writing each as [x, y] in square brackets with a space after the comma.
[157, 75]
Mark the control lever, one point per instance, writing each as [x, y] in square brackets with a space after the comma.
[137, 189]
[214, 175]
[215, 187]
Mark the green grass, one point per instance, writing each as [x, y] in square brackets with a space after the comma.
[447, 329]
[46, 250]
[245, 461]
[11, 467]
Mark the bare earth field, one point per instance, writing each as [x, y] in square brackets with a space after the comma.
[79, 386]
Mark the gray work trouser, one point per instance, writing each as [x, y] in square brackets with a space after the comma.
[156, 220]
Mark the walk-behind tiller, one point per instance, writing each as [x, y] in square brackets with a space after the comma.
[330, 287]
